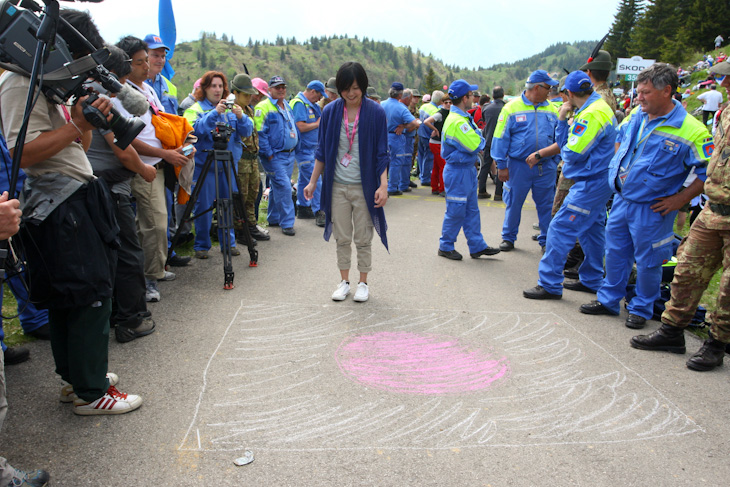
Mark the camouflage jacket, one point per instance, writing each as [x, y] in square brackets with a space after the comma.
[717, 185]
[603, 90]
[250, 143]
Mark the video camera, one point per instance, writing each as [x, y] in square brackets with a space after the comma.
[221, 135]
[63, 77]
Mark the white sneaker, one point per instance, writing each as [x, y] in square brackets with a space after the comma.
[342, 291]
[112, 402]
[152, 293]
[67, 391]
[169, 276]
[362, 293]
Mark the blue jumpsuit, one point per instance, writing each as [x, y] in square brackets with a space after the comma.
[397, 113]
[308, 112]
[653, 161]
[522, 129]
[586, 150]
[278, 138]
[461, 142]
[203, 117]
[424, 156]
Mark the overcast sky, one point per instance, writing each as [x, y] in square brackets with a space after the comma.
[497, 31]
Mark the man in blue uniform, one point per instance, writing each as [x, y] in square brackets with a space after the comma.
[306, 115]
[586, 150]
[461, 142]
[397, 114]
[524, 131]
[659, 144]
[278, 138]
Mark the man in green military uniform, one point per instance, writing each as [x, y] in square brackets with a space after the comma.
[706, 249]
[248, 166]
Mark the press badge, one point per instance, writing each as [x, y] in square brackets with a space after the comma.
[346, 160]
[292, 134]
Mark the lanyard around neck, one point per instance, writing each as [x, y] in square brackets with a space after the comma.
[351, 139]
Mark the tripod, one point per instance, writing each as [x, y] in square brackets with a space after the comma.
[226, 207]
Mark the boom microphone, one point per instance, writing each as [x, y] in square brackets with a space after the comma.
[133, 101]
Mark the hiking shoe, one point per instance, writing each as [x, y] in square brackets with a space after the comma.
[362, 293]
[484, 196]
[37, 478]
[506, 246]
[666, 338]
[16, 355]
[179, 261]
[708, 357]
[126, 334]
[258, 233]
[343, 289]
[235, 252]
[395, 193]
[68, 394]
[497, 197]
[320, 218]
[595, 308]
[635, 322]
[289, 231]
[112, 402]
[576, 285]
[450, 254]
[201, 254]
[487, 251]
[169, 276]
[539, 292]
[152, 293]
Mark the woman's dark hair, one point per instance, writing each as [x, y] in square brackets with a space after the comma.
[207, 80]
[118, 63]
[83, 23]
[349, 73]
[131, 45]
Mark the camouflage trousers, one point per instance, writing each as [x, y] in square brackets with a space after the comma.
[561, 191]
[701, 254]
[248, 173]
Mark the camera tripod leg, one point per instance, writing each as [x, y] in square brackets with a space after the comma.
[225, 218]
[239, 214]
[189, 208]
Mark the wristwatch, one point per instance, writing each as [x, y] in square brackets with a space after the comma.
[537, 155]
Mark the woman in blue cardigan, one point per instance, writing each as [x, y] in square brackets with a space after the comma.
[353, 158]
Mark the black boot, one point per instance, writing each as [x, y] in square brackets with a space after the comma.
[708, 357]
[667, 338]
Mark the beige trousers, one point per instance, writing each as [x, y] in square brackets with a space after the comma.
[152, 223]
[351, 221]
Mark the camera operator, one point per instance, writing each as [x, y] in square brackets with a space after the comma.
[69, 231]
[210, 109]
[150, 195]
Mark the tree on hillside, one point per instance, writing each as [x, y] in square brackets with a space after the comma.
[705, 20]
[619, 36]
[279, 40]
[250, 42]
[282, 57]
[203, 60]
[657, 27]
[224, 37]
[256, 51]
[430, 82]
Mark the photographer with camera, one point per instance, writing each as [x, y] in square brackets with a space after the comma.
[69, 231]
[150, 195]
[212, 117]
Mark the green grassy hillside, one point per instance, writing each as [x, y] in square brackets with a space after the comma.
[319, 58]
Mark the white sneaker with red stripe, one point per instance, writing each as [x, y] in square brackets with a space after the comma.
[67, 390]
[113, 402]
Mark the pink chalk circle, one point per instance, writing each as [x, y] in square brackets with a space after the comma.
[409, 363]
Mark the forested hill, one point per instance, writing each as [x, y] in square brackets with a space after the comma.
[319, 58]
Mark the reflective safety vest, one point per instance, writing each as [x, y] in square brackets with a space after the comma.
[587, 146]
[171, 89]
[461, 140]
[427, 110]
[274, 127]
[523, 129]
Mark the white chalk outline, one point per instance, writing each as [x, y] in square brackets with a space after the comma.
[539, 334]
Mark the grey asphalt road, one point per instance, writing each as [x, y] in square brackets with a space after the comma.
[447, 376]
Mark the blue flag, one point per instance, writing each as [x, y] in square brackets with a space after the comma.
[168, 33]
